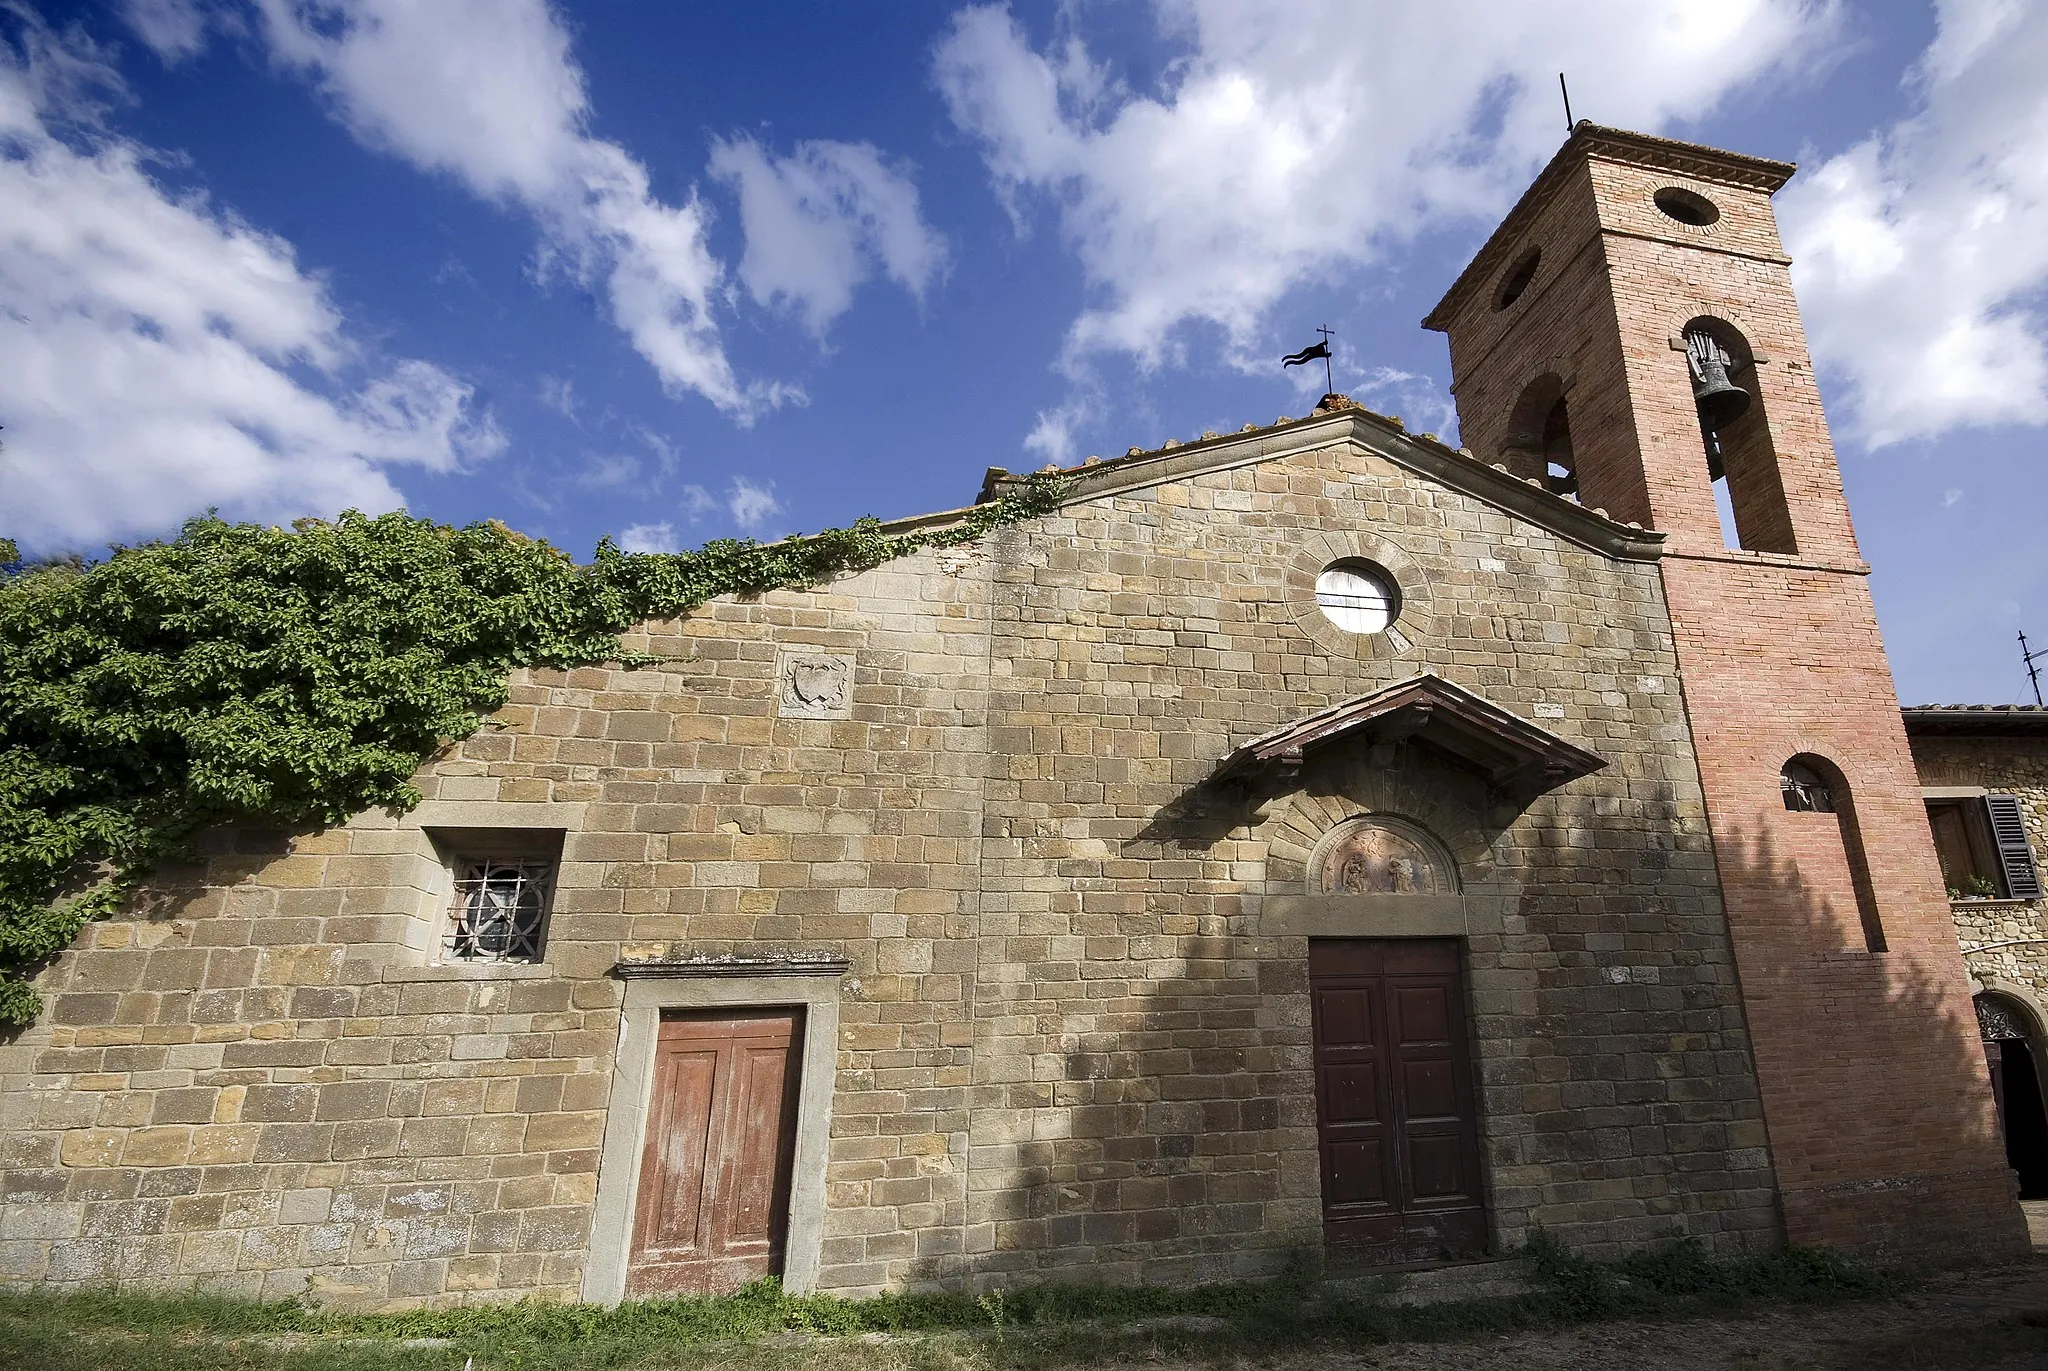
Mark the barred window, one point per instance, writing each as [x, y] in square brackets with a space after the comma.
[500, 908]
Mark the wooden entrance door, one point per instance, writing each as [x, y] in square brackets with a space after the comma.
[714, 1176]
[1399, 1136]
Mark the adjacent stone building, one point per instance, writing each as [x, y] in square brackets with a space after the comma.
[1984, 779]
[1311, 837]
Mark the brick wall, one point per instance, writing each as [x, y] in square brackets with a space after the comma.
[1879, 1110]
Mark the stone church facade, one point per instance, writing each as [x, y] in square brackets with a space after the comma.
[1315, 837]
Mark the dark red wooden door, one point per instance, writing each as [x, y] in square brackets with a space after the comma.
[1399, 1135]
[721, 1133]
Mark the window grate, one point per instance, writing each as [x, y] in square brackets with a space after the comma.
[500, 905]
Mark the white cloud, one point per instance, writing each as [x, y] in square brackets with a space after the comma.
[697, 502]
[1920, 253]
[1291, 139]
[162, 355]
[486, 91]
[558, 393]
[1052, 435]
[173, 29]
[752, 504]
[1418, 400]
[749, 505]
[650, 538]
[820, 221]
[605, 470]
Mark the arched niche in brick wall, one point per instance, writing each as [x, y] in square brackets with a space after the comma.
[1826, 840]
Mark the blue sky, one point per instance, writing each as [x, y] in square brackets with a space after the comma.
[673, 272]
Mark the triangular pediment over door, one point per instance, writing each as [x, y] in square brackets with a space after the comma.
[1514, 755]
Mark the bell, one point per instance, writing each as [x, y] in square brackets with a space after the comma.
[1721, 402]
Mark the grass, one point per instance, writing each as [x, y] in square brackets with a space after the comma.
[761, 1327]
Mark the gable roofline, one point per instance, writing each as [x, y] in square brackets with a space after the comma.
[1588, 141]
[1337, 419]
[1509, 751]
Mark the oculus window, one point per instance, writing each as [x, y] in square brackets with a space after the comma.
[1357, 597]
[1687, 207]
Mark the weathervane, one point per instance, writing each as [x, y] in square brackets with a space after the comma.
[1309, 354]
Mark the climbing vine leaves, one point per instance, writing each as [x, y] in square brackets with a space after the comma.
[293, 677]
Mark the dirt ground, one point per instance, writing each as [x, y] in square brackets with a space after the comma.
[1990, 1318]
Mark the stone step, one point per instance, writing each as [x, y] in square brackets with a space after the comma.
[1480, 1280]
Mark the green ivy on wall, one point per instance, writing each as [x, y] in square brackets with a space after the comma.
[293, 678]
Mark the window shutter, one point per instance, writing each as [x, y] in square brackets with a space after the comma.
[2009, 830]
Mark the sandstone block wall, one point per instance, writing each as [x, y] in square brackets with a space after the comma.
[1145, 1088]
[1075, 1036]
[263, 1084]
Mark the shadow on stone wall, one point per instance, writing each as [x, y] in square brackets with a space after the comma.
[1620, 1081]
[1624, 1110]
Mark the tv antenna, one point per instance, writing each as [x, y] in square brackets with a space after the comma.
[2033, 672]
[1566, 92]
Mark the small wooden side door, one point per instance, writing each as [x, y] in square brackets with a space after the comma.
[1394, 1102]
[713, 1202]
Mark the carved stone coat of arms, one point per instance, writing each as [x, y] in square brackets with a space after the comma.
[814, 685]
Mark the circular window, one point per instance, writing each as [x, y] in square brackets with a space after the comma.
[1518, 278]
[1357, 597]
[1687, 207]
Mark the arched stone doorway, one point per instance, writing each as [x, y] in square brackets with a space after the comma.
[2016, 1087]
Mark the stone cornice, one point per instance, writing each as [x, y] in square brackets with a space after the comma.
[671, 968]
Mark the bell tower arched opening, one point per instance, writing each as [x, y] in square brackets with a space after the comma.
[1749, 490]
[1537, 443]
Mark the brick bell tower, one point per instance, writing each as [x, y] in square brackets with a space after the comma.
[1628, 337]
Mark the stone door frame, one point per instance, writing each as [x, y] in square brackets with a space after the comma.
[651, 987]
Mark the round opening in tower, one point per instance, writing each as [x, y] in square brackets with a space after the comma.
[1517, 279]
[1687, 207]
[1357, 597]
